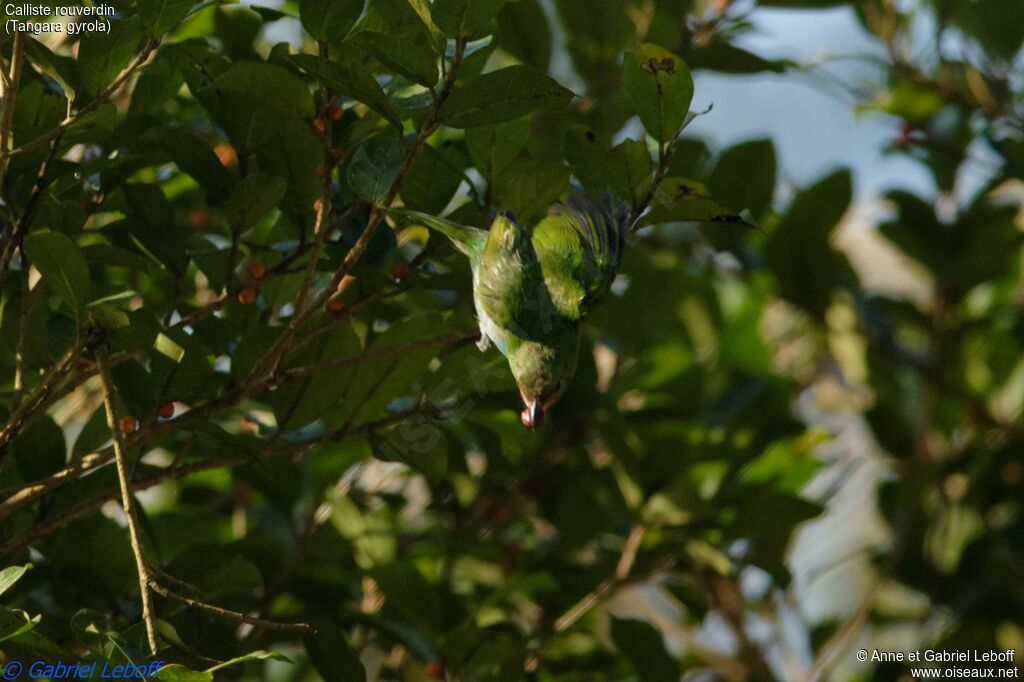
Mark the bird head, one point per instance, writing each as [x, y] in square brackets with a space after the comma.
[542, 372]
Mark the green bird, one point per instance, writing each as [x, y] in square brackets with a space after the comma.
[532, 289]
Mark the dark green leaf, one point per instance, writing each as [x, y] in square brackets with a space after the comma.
[40, 449]
[493, 147]
[160, 16]
[464, 17]
[503, 95]
[399, 33]
[374, 167]
[799, 252]
[644, 646]
[62, 266]
[332, 656]
[661, 88]
[102, 56]
[744, 176]
[525, 34]
[329, 20]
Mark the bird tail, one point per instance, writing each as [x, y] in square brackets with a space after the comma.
[465, 238]
[604, 224]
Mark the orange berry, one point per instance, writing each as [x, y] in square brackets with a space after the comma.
[335, 112]
[226, 154]
[347, 282]
[257, 270]
[400, 271]
[247, 295]
[319, 127]
[435, 669]
[335, 306]
[166, 411]
[128, 425]
[199, 218]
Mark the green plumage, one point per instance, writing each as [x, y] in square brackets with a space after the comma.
[533, 288]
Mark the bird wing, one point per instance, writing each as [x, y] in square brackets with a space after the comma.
[509, 288]
[579, 248]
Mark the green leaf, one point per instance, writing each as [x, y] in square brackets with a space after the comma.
[302, 401]
[374, 167]
[14, 622]
[416, 443]
[588, 157]
[644, 646]
[529, 189]
[176, 672]
[660, 86]
[254, 197]
[433, 179]
[332, 656]
[464, 17]
[62, 266]
[269, 83]
[352, 80]
[11, 575]
[329, 20]
[503, 95]
[399, 33]
[40, 449]
[630, 168]
[493, 147]
[799, 252]
[524, 33]
[160, 16]
[151, 220]
[102, 56]
[195, 157]
[744, 176]
[679, 200]
[251, 656]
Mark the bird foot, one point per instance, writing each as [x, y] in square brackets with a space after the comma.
[484, 343]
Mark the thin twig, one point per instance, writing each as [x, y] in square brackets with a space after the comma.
[128, 500]
[228, 614]
[10, 95]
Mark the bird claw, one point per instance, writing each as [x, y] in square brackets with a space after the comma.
[484, 343]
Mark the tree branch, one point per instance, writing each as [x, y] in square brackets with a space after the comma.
[128, 499]
[230, 615]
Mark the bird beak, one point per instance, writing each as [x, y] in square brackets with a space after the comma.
[532, 415]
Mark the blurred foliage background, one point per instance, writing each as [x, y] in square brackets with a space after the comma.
[783, 444]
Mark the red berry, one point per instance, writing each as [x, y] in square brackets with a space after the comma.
[128, 425]
[319, 127]
[257, 270]
[335, 112]
[400, 271]
[435, 669]
[246, 295]
[226, 154]
[198, 219]
[335, 306]
[166, 411]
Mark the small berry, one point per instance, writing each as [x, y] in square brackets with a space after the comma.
[319, 127]
[199, 218]
[128, 425]
[335, 112]
[247, 295]
[400, 271]
[337, 155]
[257, 270]
[347, 282]
[435, 669]
[166, 411]
[226, 154]
[335, 306]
